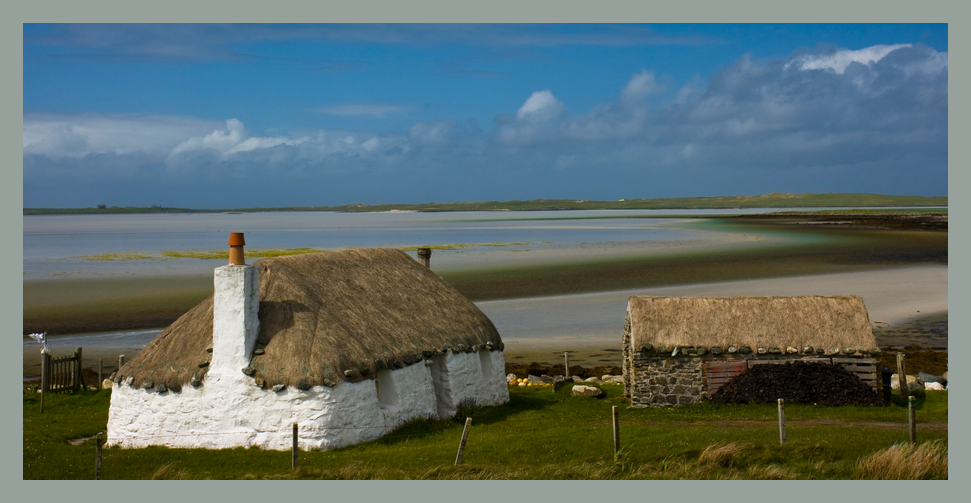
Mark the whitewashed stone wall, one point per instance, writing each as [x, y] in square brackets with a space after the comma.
[231, 412]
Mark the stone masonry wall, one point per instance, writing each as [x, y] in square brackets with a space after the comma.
[659, 381]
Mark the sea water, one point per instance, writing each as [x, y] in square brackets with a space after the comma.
[60, 246]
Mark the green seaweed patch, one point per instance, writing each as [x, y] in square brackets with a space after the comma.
[199, 254]
[111, 257]
[453, 246]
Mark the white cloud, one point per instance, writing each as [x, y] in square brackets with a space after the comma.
[251, 144]
[541, 105]
[433, 135]
[639, 86]
[933, 64]
[233, 140]
[78, 135]
[221, 141]
[371, 145]
[839, 60]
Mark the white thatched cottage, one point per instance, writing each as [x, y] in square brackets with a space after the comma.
[346, 344]
[679, 349]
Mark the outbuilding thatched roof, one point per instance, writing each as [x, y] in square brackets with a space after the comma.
[781, 322]
[323, 314]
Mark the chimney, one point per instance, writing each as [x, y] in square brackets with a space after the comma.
[425, 257]
[236, 243]
[235, 321]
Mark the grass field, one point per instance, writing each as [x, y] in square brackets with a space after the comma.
[539, 434]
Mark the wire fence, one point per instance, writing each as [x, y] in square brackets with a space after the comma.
[295, 435]
[388, 433]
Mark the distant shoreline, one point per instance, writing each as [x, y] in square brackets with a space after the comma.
[773, 200]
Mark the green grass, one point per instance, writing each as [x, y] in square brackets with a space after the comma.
[773, 200]
[537, 435]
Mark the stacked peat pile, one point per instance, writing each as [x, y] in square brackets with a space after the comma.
[799, 382]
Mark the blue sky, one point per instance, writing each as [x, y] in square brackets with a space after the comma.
[224, 116]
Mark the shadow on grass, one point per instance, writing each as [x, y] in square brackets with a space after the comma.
[423, 426]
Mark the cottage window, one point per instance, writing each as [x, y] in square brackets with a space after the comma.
[387, 394]
[485, 359]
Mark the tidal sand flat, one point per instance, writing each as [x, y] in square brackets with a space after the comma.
[543, 257]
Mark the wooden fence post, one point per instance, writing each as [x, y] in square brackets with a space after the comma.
[45, 371]
[465, 436]
[782, 422]
[101, 367]
[613, 412]
[902, 374]
[78, 374]
[912, 419]
[566, 363]
[295, 449]
[121, 361]
[97, 460]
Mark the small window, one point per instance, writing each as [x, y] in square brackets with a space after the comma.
[485, 359]
[387, 394]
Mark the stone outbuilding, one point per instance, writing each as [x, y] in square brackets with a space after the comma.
[678, 350]
[348, 345]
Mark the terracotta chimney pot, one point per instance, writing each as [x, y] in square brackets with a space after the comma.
[236, 243]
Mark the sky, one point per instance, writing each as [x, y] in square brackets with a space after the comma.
[234, 116]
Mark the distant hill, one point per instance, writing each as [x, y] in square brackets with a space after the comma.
[773, 200]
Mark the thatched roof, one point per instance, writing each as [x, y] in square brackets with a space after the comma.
[781, 322]
[322, 314]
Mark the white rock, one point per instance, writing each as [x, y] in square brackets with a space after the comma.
[936, 386]
[913, 383]
[589, 391]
